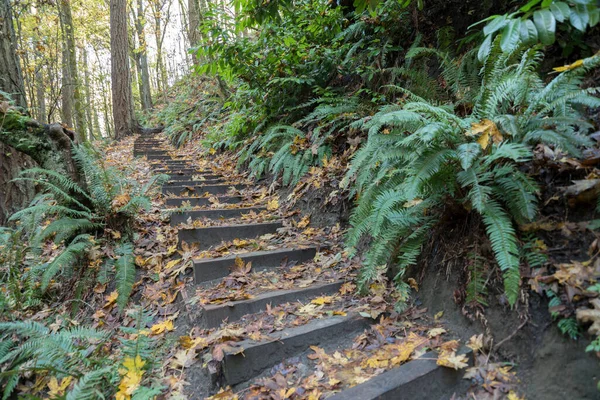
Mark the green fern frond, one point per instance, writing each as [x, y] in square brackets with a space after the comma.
[504, 244]
[125, 273]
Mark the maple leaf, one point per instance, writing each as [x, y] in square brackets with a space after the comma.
[57, 389]
[111, 299]
[166, 325]
[224, 394]
[183, 359]
[304, 222]
[188, 343]
[450, 359]
[322, 300]
[131, 377]
[476, 342]
[273, 205]
[487, 130]
[435, 332]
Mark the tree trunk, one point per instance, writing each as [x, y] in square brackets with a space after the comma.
[40, 93]
[88, 95]
[145, 94]
[194, 26]
[14, 194]
[11, 77]
[120, 73]
[73, 92]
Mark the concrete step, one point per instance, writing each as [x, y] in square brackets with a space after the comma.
[173, 162]
[197, 182]
[188, 177]
[214, 268]
[224, 213]
[200, 189]
[180, 171]
[213, 235]
[153, 152]
[258, 356]
[201, 201]
[417, 379]
[213, 315]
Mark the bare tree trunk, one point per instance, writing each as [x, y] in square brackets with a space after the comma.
[73, 93]
[11, 77]
[88, 95]
[120, 73]
[194, 26]
[40, 94]
[145, 94]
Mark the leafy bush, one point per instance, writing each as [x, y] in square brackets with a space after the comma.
[537, 22]
[420, 156]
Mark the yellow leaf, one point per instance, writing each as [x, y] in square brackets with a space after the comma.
[569, 67]
[161, 327]
[273, 205]
[111, 298]
[304, 222]
[58, 389]
[452, 360]
[413, 284]
[212, 151]
[322, 300]
[476, 342]
[435, 332]
[131, 377]
[172, 263]
[412, 203]
[512, 395]
[484, 140]
[488, 130]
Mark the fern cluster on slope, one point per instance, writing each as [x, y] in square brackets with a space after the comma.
[77, 217]
[420, 156]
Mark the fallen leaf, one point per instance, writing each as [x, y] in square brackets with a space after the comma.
[435, 332]
[452, 360]
[475, 343]
[322, 300]
[57, 389]
[569, 67]
[273, 205]
[131, 377]
[166, 325]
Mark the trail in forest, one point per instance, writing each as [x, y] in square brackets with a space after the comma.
[272, 310]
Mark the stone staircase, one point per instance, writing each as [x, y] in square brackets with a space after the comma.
[192, 187]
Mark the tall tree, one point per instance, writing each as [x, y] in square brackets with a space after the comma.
[72, 96]
[160, 16]
[120, 73]
[11, 77]
[193, 30]
[142, 58]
